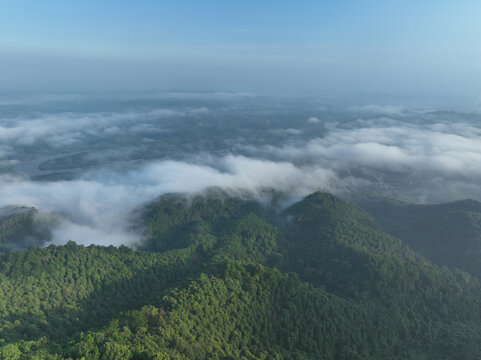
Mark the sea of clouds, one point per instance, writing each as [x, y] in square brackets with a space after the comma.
[422, 155]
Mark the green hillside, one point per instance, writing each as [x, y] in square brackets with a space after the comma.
[19, 228]
[448, 234]
[223, 278]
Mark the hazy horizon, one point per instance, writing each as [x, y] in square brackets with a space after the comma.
[428, 50]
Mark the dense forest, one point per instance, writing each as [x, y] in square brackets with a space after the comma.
[448, 234]
[223, 277]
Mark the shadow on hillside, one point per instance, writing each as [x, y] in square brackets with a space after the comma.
[146, 287]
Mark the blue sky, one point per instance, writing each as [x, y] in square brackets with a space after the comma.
[399, 47]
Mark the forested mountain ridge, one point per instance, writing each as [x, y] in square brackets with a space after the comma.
[448, 234]
[219, 277]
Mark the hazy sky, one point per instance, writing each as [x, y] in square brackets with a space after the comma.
[269, 47]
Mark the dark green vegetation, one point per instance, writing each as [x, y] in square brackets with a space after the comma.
[223, 278]
[448, 234]
[19, 229]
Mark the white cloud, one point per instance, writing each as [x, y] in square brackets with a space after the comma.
[200, 111]
[313, 120]
[389, 110]
[446, 150]
[292, 131]
[69, 128]
[99, 205]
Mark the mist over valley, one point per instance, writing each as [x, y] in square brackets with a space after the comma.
[92, 161]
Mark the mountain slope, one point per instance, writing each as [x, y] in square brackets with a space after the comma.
[448, 234]
[221, 281]
[19, 228]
